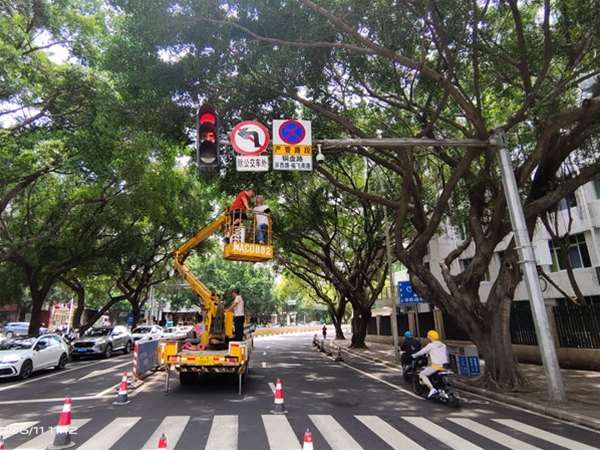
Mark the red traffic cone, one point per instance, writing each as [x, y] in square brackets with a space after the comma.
[62, 437]
[308, 445]
[162, 442]
[279, 407]
[122, 396]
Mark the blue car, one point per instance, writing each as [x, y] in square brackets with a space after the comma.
[12, 329]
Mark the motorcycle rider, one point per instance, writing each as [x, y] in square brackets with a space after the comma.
[409, 346]
[438, 356]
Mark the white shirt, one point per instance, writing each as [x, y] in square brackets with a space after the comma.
[238, 306]
[261, 216]
[437, 351]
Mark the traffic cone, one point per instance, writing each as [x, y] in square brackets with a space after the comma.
[162, 442]
[339, 358]
[308, 445]
[62, 437]
[122, 396]
[279, 407]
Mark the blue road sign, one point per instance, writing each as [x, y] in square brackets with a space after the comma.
[407, 296]
[292, 132]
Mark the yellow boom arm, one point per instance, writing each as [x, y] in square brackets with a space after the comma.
[218, 323]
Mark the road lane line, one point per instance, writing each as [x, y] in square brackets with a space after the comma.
[439, 433]
[389, 434]
[97, 373]
[51, 400]
[544, 435]
[334, 434]
[110, 434]
[172, 427]
[280, 434]
[223, 433]
[370, 375]
[493, 435]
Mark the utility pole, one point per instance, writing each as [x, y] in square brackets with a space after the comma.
[556, 388]
[393, 317]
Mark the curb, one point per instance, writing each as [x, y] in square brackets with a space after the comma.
[555, 412]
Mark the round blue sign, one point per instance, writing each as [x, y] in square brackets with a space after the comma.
[292, 132]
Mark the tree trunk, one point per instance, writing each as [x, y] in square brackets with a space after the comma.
[360, 325]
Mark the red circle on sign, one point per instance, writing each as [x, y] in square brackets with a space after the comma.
[292, 132]
[250, 138]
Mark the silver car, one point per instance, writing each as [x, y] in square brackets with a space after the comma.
[102, 341]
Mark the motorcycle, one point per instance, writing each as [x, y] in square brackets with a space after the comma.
[407, 368]
[441, 381]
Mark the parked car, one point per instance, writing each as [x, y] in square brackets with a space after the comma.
[21, 356]
[12, 329]
[102, 341]
[149, 333]
[175, 333]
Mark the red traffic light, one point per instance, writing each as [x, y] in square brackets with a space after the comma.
[207, 154]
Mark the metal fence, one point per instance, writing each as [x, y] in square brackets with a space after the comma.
[576, 326]
[522, 327]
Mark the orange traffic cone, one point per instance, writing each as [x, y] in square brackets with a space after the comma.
[279, 407]
[122, 396]
[62, 437]
[162, 442]
[308, 445]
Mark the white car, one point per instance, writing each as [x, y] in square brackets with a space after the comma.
[174, 333]
[149, 333]
[23, 356]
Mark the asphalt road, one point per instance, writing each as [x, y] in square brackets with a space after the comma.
[354, 404]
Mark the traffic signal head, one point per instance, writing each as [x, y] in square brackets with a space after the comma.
[207, 143]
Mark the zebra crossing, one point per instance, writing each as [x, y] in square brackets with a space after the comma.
[225, 433]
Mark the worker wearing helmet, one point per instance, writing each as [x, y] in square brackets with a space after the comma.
[409, 346]
[438, 356]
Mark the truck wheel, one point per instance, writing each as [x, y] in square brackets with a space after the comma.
[187, 378]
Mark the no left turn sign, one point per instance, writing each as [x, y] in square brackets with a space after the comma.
[250, 138]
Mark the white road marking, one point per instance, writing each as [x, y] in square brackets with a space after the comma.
[223, 433]
[389, 434]
[172, 427]
[439, 433]
[280, 434]
[546, 436]
[493, 435]
[334, 434]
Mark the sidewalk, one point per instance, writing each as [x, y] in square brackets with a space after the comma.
[581, 387]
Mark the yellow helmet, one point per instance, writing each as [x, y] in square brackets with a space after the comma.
[433, 335]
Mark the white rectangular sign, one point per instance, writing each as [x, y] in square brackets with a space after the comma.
[252, 163]
[292, 162]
